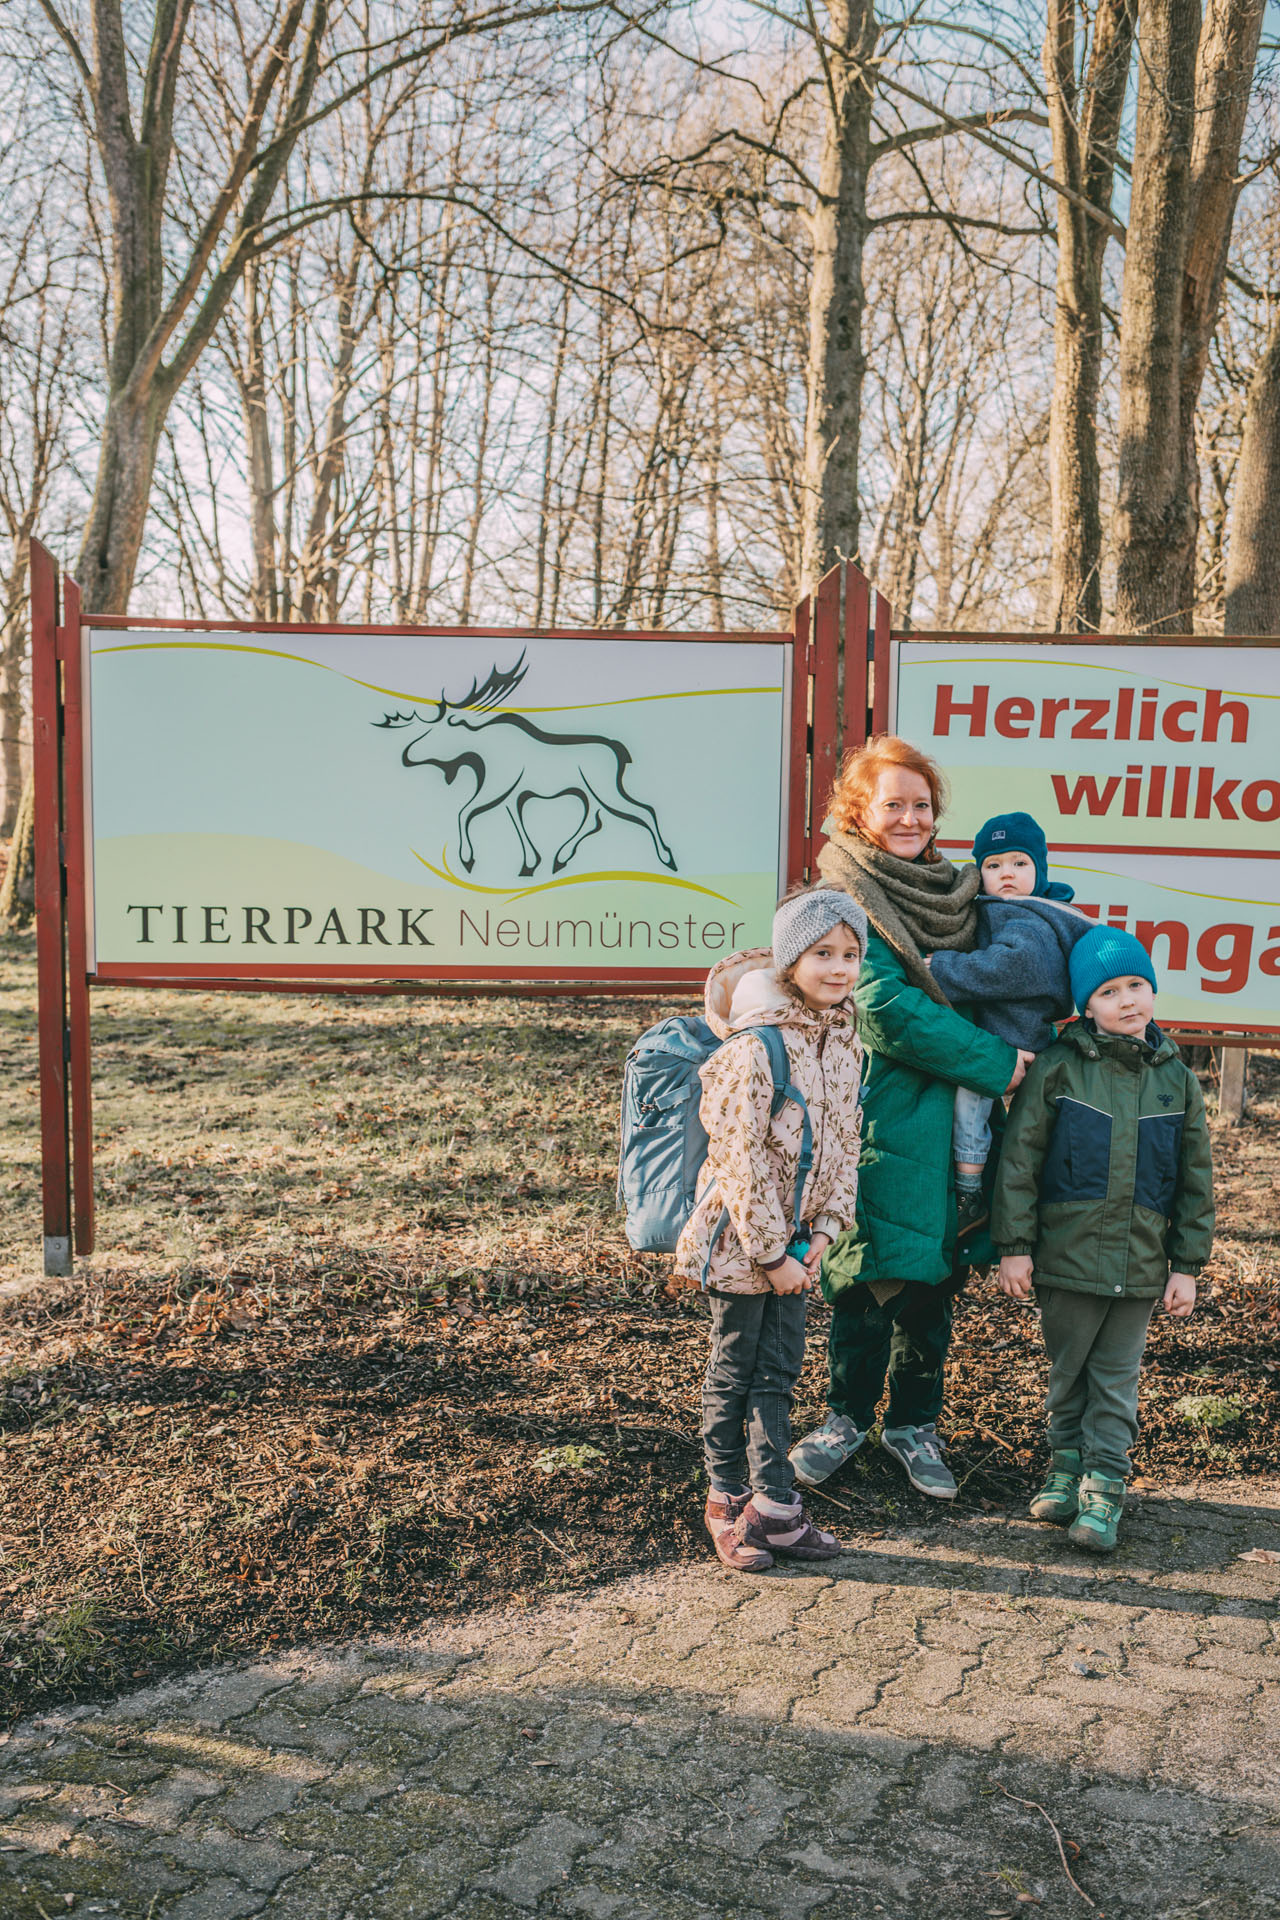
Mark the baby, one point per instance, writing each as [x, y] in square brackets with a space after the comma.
[1016, 979]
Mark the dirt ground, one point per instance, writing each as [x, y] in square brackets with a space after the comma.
[363, 1342]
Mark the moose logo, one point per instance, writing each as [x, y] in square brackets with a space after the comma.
[513, 762]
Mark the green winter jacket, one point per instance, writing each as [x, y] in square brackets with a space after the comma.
[1105, 1176]
[917, 1053]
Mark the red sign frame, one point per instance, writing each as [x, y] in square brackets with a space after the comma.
[822, 725]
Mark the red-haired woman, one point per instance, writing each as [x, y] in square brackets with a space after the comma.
[890, 1278]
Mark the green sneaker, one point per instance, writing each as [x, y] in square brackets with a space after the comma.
[1097, 1523]
[919, 1450]
[1057, 1500]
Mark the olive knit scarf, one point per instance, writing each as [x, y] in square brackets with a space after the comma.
[918, 906]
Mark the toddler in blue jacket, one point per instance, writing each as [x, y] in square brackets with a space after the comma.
[1016, 978]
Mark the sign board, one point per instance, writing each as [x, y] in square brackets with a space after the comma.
[434, 806]
[1153, 769]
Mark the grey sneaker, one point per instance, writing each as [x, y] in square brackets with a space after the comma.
[919, 1450]
[825, 1450]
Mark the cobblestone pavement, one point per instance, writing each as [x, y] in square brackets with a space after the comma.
[863, 1740]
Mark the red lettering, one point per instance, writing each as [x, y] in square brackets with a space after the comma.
[1214, 709]
[1147, 713]
[1096, 799]
[1155, 793]
[1132, 792]
[945, 705]
[1231, 967]
[1049, 717]
[1149, 931]
[1169, 720]
[1255, 807]
[1124, 713]
[1013, 718]
[1181, 793]
[1269, 958]
[1092, 724]
[1208, 796]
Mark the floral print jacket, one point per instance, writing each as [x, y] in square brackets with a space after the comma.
[750, 1168]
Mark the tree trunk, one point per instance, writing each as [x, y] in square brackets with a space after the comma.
[1193, 92]
[1084, 132]
[253, 402]
[836, 298]
[1154, 522]
[13, 659]
[1253, 550]
[1224, 69]
[18, 892]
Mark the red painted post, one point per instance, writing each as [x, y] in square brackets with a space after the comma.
[801, 694]
[46, 716]
[75, 855]
[857, 653]
[797, 779]
[880, 667]
[826, 705]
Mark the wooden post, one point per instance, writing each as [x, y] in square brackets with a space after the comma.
[1232, 1085]
[51, 953]
[75, 859]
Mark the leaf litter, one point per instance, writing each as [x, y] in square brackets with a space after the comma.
[259, 1414]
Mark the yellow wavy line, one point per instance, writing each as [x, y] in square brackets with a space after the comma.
[398, 693]
[1094, 666]
[445, 872]
[1233, 899]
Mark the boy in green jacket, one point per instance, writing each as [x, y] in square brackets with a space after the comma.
[1105, 1194]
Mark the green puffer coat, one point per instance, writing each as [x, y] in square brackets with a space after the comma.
[1106, 1178]
[917, 1053]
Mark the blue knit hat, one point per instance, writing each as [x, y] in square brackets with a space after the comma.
[805, 917]
[1014, 833]
[1106, 953]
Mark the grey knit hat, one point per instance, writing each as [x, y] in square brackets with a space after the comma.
[807, 916]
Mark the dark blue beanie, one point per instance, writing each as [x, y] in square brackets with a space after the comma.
[1014, 833]
[1106, 953]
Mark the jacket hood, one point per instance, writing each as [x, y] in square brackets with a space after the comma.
[1085, 1038]
[744, 991]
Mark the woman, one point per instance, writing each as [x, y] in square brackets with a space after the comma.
[890, 1278]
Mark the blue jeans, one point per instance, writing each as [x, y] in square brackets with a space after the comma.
[971, 1132]
[757, 1351]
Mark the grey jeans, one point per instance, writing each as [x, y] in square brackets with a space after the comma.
[1095, 1344]
[757, 1351]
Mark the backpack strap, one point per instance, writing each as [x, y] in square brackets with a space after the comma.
[784, 1089]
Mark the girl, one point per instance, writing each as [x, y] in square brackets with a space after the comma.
[739, 1240]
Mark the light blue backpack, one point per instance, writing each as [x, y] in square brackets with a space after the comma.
[664, 1142]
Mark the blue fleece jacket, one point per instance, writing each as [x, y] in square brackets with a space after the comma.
[1016, 979]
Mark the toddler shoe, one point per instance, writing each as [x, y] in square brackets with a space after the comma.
[1058, 1499]
[919, 1451]
[792, 1533]
[1097, 1524]
[724, 1523]
[825, 1450]
[972, 1212]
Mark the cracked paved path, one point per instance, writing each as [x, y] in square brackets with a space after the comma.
[689, 1745]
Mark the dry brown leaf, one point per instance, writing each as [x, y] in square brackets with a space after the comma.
[1268, 1554]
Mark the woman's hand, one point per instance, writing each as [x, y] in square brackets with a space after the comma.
[1020, 1071]
[817, 1247]
[1180, 1295]
[1014, 1276]
[790, 1277]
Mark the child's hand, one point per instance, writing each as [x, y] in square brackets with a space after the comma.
[790, 1277]
[1020, 1071]
[1014, 1276]
[928, 960]
[1180, 1295]
[817, 1247]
